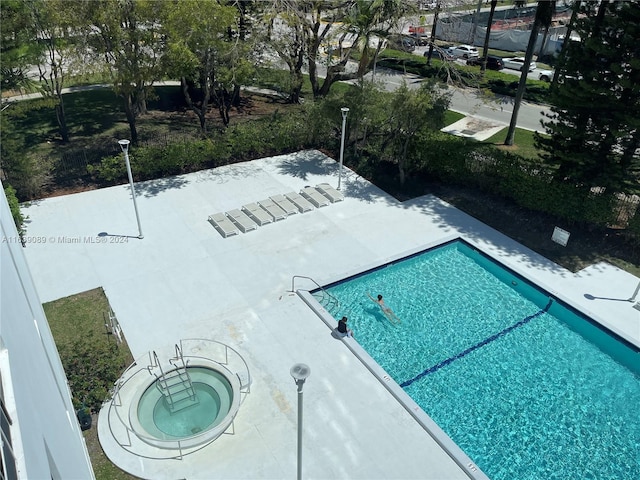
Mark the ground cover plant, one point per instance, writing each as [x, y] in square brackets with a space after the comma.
[92, 360]
[91, 355]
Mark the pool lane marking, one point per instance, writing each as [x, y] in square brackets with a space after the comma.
[484, 342]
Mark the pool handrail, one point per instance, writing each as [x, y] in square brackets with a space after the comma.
[293, 290]
[226, 360]
[137, 367]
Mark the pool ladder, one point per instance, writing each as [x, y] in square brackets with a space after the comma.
[176, 385]
[324, 298]
[328, 301]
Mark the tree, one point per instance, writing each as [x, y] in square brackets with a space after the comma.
[594, 129]
[285, 35]
[248, 49]
[367, 24]
[57, 27]
[130, 41]
[341, 28]
[487, 36]
[199, 53]
[432, 40]
[567, 40]
[544, 15]
[18, 45]
[22, 170]
[411, 111]
[362, 21]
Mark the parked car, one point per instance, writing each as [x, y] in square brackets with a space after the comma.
[439, 54]
[493, 62]
[421, 39]
[516, 63]
[427, 5]
[404, 44]
[464, 51]
[545, 75]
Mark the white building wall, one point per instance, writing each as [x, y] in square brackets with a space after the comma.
[46, 436]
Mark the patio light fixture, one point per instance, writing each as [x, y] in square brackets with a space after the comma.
[345, 112]
[124, 145]
[300, 372]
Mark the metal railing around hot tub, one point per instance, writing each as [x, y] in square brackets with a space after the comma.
[194, 351]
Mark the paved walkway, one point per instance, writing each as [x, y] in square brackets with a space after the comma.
[183, 280]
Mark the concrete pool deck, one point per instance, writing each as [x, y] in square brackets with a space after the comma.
[183, 280]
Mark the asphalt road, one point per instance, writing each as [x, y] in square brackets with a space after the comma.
[474, 102]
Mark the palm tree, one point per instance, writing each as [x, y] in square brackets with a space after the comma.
[433, 31]
[370, 19]
[567, 39]
[485, 46]
[544, 14]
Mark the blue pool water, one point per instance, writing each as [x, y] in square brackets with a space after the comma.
[526, 387]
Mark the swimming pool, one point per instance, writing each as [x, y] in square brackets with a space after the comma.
[527, 387]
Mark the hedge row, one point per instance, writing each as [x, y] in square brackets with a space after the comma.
[246, 141]
[508, 175]
[450, 159]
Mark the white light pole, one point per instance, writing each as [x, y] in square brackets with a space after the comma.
[345, 112]
[300, 372]
[124, 145]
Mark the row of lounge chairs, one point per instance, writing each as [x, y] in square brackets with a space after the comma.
[274, 208]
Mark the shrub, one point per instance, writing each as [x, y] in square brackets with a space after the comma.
[14, 206]
[92, 366]
[245, 141]
[110, 170]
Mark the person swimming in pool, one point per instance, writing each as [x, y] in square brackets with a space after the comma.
[391, 316]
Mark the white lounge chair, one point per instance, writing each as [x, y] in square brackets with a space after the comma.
[315, 197]
[272, 209]
[330, 192]
[223, 225]
[258, 213]
[242, 220]
[285, 204]
[300, 202]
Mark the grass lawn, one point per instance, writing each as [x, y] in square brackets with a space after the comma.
[81, 316]
[523, 143]
[451, 117]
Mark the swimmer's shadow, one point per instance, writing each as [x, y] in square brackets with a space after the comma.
[376, 313]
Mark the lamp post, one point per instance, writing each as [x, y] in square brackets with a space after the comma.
[345, 112]
[300, 372]
[124, 145]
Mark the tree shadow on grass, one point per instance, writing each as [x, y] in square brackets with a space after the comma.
[93, 112]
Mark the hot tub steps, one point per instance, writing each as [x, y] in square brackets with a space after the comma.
[177, 389]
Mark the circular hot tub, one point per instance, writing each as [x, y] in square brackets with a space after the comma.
[192, 406]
